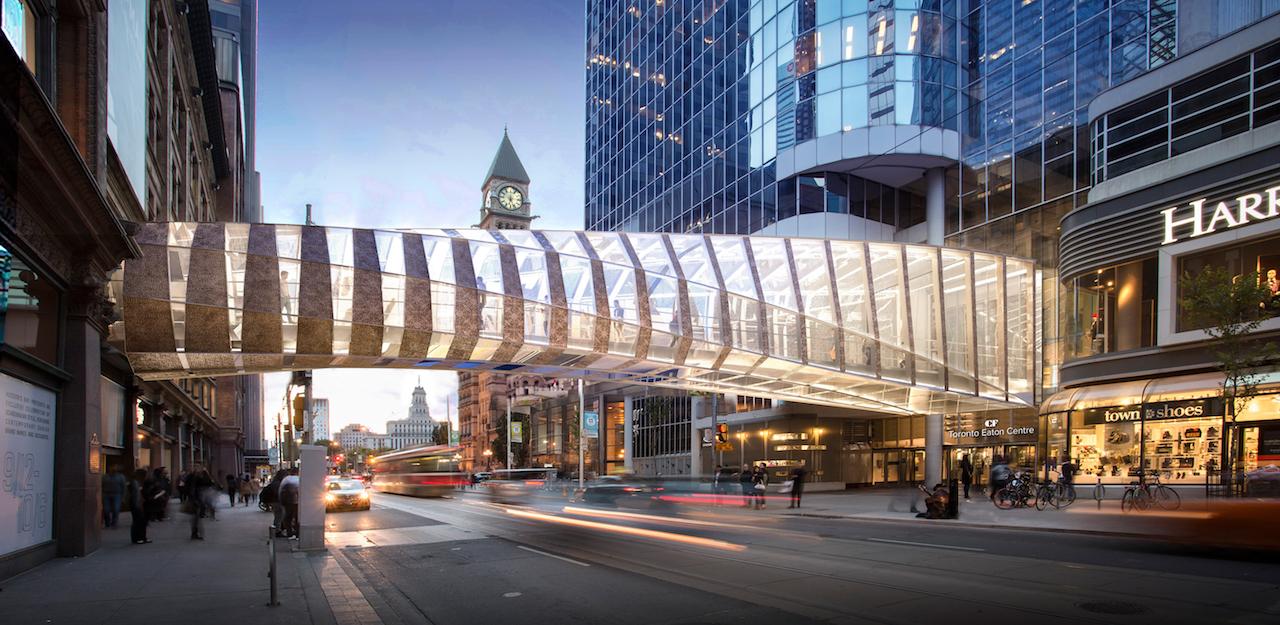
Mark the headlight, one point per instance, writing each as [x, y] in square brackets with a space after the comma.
[364, 494]
[328, 497]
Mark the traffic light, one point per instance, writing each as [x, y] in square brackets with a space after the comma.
[722, 432]
[299, 408]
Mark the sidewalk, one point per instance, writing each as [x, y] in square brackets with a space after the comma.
[1084, 516]
[222, 579]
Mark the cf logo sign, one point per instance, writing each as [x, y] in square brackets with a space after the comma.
[990, 423]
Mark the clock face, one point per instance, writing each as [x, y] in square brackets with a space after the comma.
[510, 198]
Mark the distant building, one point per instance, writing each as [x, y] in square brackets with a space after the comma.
[320, 420]
[418, 429]
[355, 436]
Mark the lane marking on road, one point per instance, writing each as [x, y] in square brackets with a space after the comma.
[915, 544]
[552, 555]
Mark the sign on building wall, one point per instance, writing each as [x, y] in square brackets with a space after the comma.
[989, 429]
[517, 431]
[591, 424]
[26, 465]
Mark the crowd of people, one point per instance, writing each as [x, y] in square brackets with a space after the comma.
[147, 492]
[753, 483]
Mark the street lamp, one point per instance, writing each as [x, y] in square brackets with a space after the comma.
[488, 459]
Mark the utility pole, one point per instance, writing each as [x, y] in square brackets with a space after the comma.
[509, 428]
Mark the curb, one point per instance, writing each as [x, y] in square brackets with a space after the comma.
[968, 525]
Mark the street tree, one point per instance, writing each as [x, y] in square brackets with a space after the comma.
[519, 449]
[1230, 309]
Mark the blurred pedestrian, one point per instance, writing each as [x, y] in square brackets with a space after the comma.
[113, 488]
[760, 480]
[244, 488]
[158, 498]
[747, 483]
[966, 474]
[289, 497]
[182, 486]
[271, 495]
[137, 511]
[255, 486]
[797, 485]
[233, 488]
[200, 487]
[1000, 475]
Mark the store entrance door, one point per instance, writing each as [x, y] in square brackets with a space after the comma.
[981, 459]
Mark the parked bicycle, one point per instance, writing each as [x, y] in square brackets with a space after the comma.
[1018, 493]
[1163, 496]
[1058, 494]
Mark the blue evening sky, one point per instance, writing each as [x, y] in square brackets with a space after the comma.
[386, 113]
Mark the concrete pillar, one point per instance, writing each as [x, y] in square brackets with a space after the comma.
[311, 497]
[932, 449]
[935, 204]
[628, 424]
[697, 413]
[78, 493]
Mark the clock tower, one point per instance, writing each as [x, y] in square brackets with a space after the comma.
[505, 191]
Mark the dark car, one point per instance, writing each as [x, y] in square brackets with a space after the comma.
[623, 492]
[345, 494]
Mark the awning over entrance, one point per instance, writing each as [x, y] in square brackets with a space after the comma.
[879, 326]
[1154, 391]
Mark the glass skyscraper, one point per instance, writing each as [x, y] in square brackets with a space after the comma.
[824, 117]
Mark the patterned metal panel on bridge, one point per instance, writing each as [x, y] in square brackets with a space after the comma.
[880, 326]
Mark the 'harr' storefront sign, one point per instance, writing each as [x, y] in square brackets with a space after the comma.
[1200, 219]
[1188, 409]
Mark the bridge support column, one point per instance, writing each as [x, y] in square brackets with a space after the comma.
[932, 449]
[628, 432]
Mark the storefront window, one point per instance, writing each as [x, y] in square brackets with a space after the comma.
[29, 306]
[1107, 449]
[114, 413]
[1112, 309]
[1260, 258]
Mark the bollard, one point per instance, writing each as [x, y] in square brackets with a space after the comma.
[953, 499]
[271, 573]
[1099, 493]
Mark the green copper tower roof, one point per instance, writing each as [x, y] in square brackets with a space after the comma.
[506, 164]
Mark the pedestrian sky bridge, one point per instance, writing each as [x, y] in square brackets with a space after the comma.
[878, 326]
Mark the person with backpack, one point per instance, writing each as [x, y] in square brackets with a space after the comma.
[270, 495]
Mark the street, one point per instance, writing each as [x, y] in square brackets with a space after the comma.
[466, 560]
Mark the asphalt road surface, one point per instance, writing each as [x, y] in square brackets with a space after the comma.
[468, 560]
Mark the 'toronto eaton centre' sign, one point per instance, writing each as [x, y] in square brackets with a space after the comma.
[1202, 220]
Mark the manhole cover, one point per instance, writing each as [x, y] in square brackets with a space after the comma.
[1112, 607]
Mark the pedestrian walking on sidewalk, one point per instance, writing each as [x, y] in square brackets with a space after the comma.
[200, 488]
[233, 488]
[245, 489]
[137, 510]
[289, 496]
[271, 495]
[113, 487]
[255, 486]
[747, 484]
[966, 474]
[797, 485]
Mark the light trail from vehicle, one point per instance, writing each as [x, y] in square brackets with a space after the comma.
[633, 531]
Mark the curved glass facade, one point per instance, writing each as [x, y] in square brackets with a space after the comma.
[877, 326]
